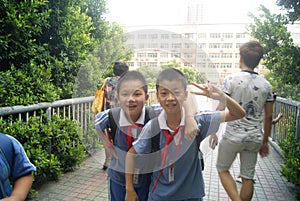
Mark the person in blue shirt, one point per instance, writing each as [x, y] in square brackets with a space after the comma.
[176, 166]
[15, 168]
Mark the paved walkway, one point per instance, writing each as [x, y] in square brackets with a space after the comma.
[88, 182]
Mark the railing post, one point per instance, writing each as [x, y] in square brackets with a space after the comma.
[48, 112]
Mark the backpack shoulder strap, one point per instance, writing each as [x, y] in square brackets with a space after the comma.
[149, 113]
[155, 130]
[114, 116]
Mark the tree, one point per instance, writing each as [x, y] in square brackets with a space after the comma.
[292, 7]
[191, 73]
[99, 64]
[280, 51]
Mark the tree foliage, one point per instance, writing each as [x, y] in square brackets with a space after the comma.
[55, 37]
[292, 7]
[281, 54]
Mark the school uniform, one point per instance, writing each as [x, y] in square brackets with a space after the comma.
[20, 166]
[116, 169]
[177, 173]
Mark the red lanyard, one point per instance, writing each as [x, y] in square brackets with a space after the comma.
[169, 138]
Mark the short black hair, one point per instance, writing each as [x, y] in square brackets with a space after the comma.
[132, 75]
[251, 53]
[120, 67]
[171, 74]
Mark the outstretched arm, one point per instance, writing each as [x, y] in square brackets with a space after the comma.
[129, 169]
[234, 112]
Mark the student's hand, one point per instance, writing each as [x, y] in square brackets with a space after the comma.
[191, 129]
[210, 91]
[213, 141]
[111, 151]
[131, 196]
[264, 150]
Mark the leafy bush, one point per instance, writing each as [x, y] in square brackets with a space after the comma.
[53, 146]
[291, 151]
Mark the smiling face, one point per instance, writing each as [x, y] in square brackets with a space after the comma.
[171, 95]
[132, 98]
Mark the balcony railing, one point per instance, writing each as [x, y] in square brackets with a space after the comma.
[79, 109]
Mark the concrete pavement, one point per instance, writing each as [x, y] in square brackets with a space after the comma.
[89, 183]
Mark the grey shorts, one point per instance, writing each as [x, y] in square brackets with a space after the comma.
[228, 151]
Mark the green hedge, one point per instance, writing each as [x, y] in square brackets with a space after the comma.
[291, 151]
[53, 146]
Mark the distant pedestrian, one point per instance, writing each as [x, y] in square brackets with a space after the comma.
[246, 136]
[110, 97]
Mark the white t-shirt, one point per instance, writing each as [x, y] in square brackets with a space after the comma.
[251, 91]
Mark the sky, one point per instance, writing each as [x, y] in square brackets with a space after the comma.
[168, 12]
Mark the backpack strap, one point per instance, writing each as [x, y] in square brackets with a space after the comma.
[155, 131]
[114, 117]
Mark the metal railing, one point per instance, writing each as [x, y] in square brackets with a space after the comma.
[291, 117]
[79, 109]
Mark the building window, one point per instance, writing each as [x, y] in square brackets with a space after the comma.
[238, 45]
[188, 55]
[227, 45]
[141, 45]
[201, 35]
[202, 55]
[164, 36]
[164, 55]
[176, 45]
[215, 35]
[225, 65]
[188, 64]
[176, 35]
[153, 36]
[227, 35]
[152, 64]
[188, 35]
[164, 45]
[188, 45]
[201, 65]
[152, 55]
[240, 35]
[214, 45]
[141, 55]
[214, 55]
[213, 65]
[237, 55]
[226, 55]
[142, 36]
[202, 45]
[140, 64]
[130, 64]
[176, 55]
[152, 45]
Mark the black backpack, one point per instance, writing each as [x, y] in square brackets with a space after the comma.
[114, 116]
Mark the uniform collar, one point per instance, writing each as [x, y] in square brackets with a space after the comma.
[124, 121]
